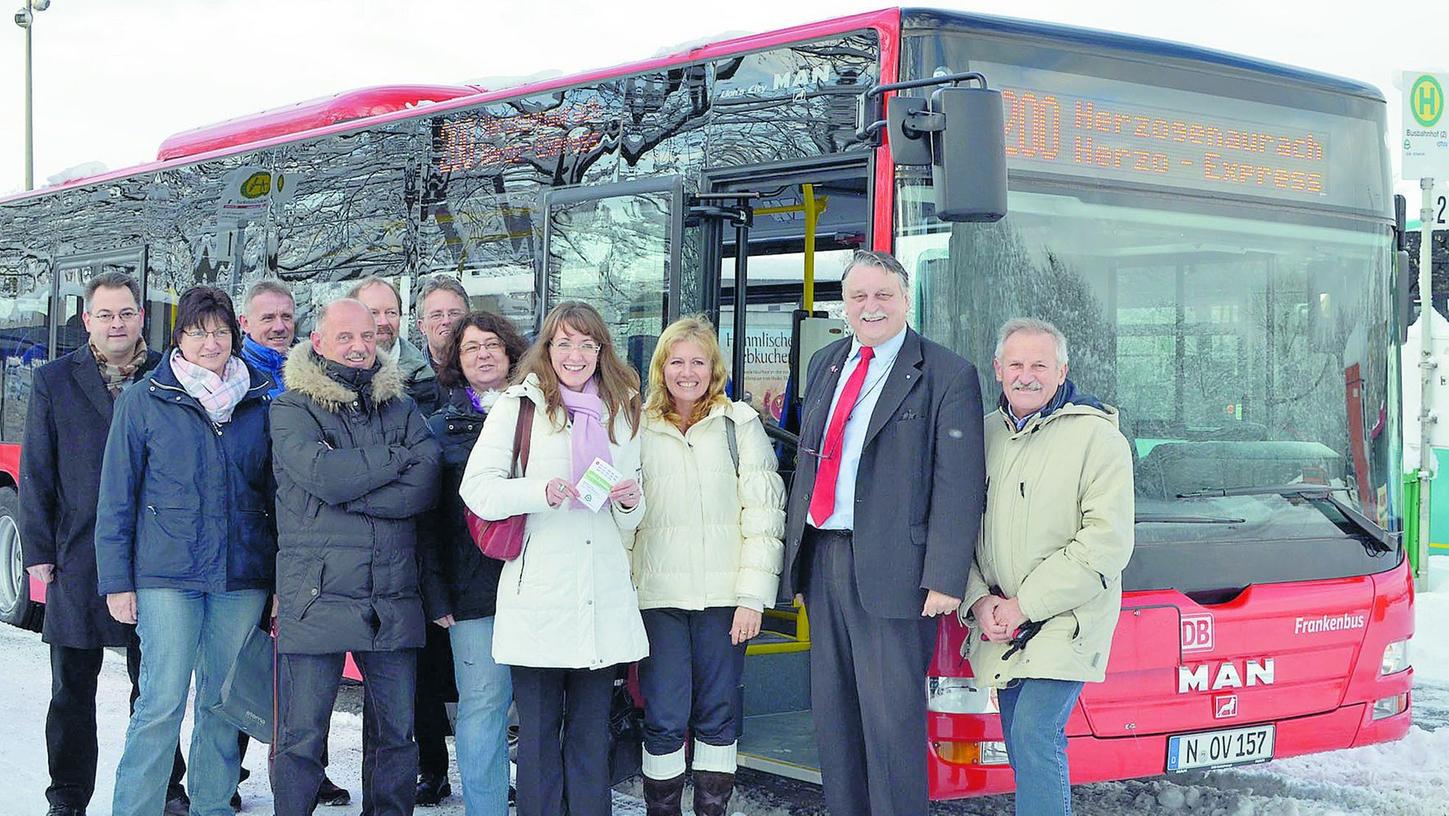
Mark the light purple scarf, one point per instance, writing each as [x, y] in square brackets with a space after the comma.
[589, 440]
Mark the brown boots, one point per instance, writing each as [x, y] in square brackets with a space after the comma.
[662, 796]
[712, 791]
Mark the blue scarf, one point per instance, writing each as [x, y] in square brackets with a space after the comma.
[267, 360]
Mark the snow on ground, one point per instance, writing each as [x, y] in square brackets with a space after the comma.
[1405, 778]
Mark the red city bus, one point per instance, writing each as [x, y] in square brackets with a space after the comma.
[1213, 233]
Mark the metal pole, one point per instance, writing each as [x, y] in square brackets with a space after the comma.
[29, 124]
[742, 277]
[1427, 374]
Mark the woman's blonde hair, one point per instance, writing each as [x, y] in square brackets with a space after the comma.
[698, 330]
[618, 383]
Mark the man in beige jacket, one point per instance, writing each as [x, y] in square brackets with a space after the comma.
[1045, 589]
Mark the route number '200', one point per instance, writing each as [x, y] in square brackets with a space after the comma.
[1033, 125]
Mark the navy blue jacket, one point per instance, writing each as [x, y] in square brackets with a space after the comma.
[186, 503]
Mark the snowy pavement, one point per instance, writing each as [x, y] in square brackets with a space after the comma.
[1405, 778]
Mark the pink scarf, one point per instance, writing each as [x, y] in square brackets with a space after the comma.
[218, 395]
[589, 439]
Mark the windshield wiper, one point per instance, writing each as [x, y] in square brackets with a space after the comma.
[1169, 518]
[1387, 541]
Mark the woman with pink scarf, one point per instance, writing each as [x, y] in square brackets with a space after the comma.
[567, 612]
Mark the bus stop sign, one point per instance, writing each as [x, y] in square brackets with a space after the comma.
[1426, 127]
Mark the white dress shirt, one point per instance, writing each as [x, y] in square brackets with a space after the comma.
[843, 518]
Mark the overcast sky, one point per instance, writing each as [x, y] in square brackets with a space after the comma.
[113, 78]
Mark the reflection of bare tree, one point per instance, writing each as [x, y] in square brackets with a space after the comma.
[989, 267]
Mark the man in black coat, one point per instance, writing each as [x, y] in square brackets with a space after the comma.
[356, 465]
[879, 534]
[60, 471]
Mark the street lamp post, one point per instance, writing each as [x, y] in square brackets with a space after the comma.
[25, 18]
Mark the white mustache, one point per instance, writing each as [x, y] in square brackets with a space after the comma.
[1032, 386]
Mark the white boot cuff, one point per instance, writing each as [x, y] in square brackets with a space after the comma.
[717, 758]
[664, 767]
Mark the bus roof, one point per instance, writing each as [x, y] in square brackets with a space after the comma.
[351, 110]
[929, 18]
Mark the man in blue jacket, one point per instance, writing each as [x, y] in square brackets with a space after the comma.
[269, 318]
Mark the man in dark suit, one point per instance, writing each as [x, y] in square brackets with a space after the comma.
[60, 470]
[880, 531]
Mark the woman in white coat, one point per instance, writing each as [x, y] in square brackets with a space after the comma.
[707, 562]
[567, 612]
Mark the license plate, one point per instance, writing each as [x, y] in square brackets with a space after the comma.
[1219, 749]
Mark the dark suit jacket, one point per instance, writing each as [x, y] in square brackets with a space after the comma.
[60, 473]
[921, 486]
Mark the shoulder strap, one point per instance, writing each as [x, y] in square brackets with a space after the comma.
[523, 434]
[733, 441]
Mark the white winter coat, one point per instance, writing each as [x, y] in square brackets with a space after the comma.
[709, 538]
[567, 601]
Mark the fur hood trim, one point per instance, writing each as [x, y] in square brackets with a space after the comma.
[305, 374]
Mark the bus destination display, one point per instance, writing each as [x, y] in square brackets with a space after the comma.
[1080, 125]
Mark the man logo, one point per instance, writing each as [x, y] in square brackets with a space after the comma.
[1197, 633]
[1426, 100]
[1225, 706]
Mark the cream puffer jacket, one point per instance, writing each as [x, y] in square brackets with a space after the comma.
[709, 537]
[567, 600]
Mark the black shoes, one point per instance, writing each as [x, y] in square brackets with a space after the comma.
[177, 804]
[432, 789]
[331, 795]
[64, 810]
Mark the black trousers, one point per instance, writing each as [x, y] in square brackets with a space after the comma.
[435, 688]
[691, 678]
[563, 740]
[867, 691]
[306, 692]
[70, 724]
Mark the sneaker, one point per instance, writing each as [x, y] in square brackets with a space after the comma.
[331, 795]
[432, 789]
[178, 804]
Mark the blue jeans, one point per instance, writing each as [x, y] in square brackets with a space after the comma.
[484, 691]
[184, 631]
[1034, 716]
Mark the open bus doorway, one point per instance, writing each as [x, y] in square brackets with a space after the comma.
[797, 225]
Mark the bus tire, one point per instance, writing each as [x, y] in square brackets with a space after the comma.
[16, 607]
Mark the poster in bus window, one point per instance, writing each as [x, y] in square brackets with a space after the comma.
[767, 357]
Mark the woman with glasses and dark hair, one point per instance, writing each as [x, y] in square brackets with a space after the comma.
[185, 546]
[567, 612]
[460, 586]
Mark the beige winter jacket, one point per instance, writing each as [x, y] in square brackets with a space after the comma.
[709, 537]
[566, 601]
[1057, 535]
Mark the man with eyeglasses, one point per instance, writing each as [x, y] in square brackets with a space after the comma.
[879, 534]
[67, 423]
[382, 299]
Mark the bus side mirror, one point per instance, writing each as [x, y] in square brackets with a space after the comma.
[960, 133]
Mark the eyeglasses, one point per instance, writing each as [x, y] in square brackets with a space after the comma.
[451, 314]
[492, 347]
[222, 335]
[588, 347]
[126, 316]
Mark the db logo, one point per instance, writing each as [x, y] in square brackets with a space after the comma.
[1197, 633]
[1225, 706]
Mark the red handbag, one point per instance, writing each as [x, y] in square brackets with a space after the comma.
[503, 539]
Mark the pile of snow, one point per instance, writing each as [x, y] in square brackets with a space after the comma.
[79, 171]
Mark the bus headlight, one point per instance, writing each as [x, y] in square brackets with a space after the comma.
[959, 695]
[1396, 657]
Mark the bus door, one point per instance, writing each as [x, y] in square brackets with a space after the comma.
[776, 239]
[72, 273]
[616, 247]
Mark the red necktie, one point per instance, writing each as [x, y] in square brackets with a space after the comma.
[822, 499]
